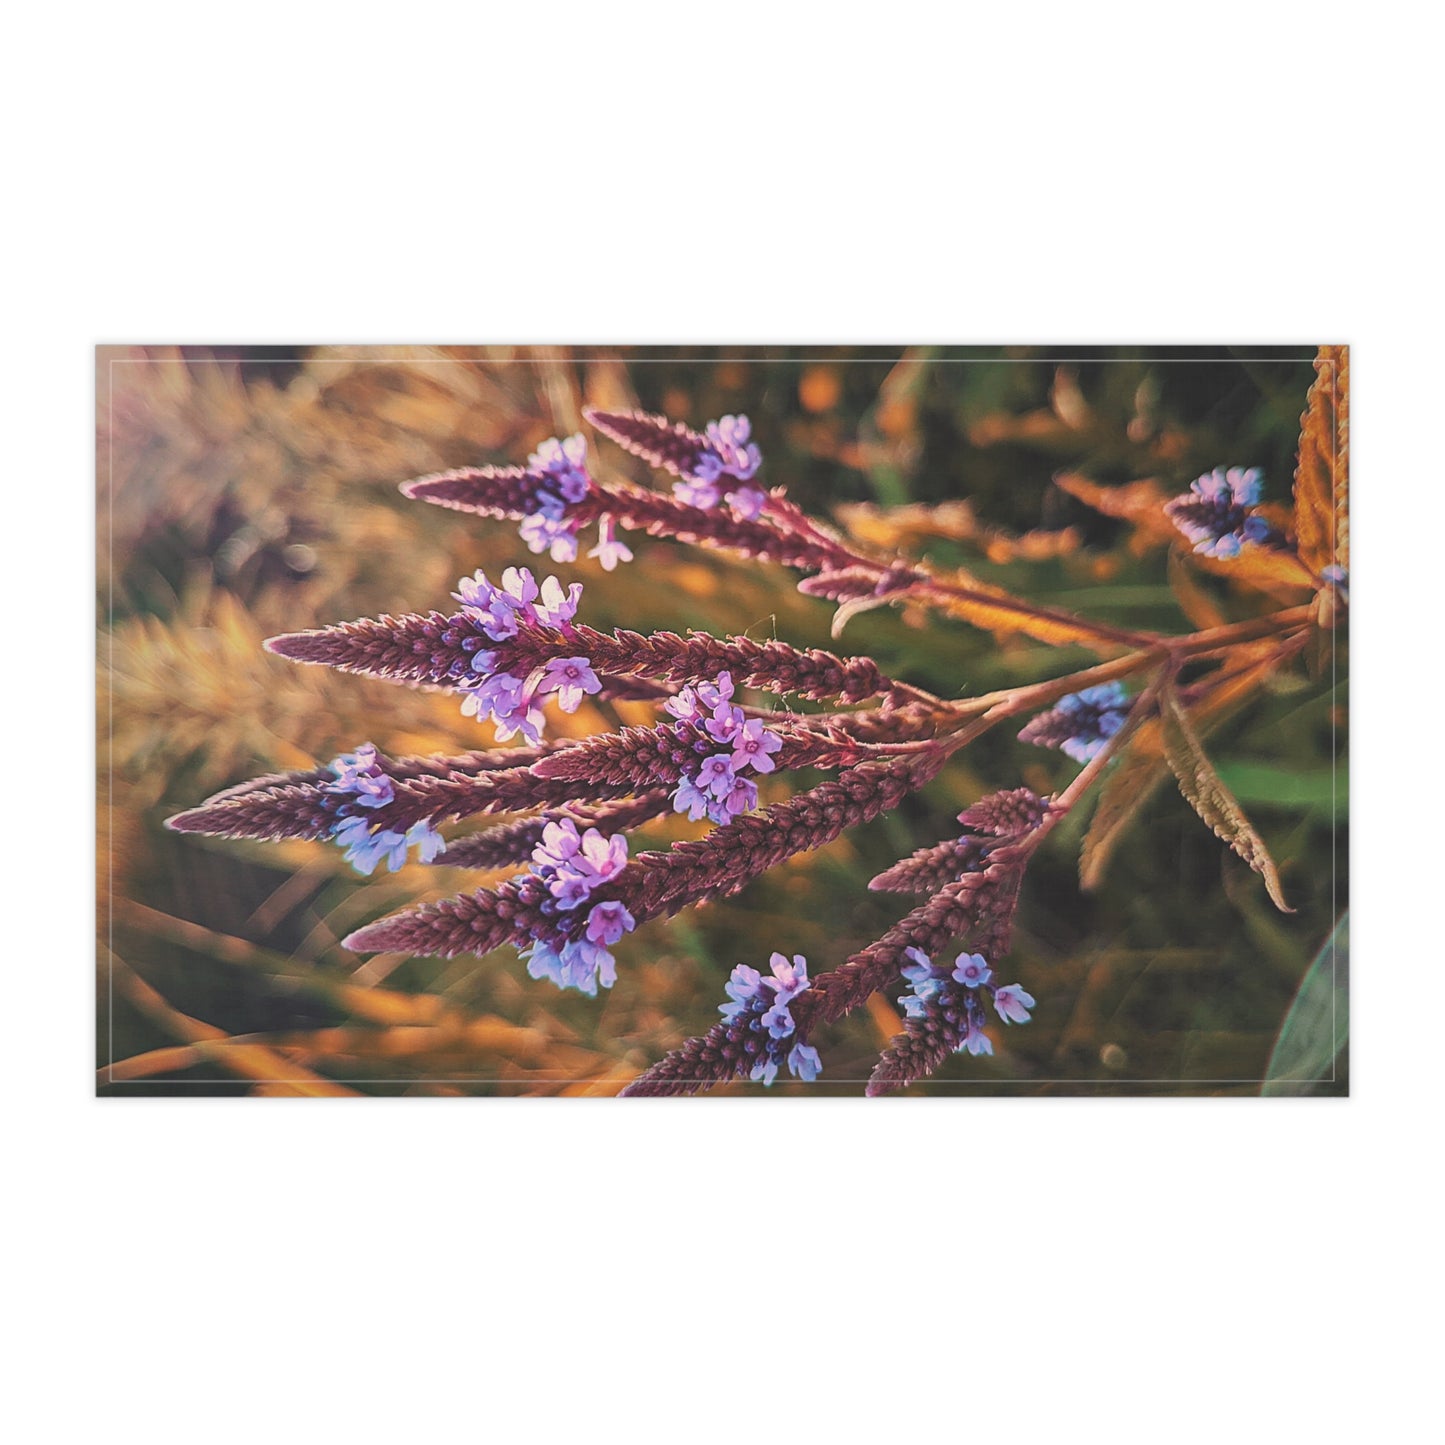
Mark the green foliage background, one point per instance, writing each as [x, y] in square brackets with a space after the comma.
[247, 492]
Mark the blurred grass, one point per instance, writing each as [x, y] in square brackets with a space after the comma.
[244, 493]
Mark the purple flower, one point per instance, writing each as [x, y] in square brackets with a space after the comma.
[365, 848]
[730, 451]
[752, 746]
[1081, 723]
[577, 964]
[555, 535]
[564, 463]
[1012, 1003]
[765, 1070]
[554, 606]
[972, 970]
[560, 841]
[360, 778]
[569, 678]
[975, 1040]
[607, 922]
[685, 706]
[747, 503]
[742, 988]
[1216, 513]
[497, 611]
[789, 979]
[601, 858]
[690, 799]
[507, 702]
[544, 961]
[742, 797]
[713, 694]
[570, 887]
[725, 723]
[804, 1063]
[609, 551]
[925, 983]
[697, 493]
[428, 841]
[715, 775]
[778, 1021]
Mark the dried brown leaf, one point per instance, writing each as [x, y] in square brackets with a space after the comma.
[1208, 796]
[1322, 474]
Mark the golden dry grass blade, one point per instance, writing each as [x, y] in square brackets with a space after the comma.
[211, 1045]
[1322, 474]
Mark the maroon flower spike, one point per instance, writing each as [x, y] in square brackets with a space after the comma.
[930, 869]
[1011, 811]
[668, 445]
[924, 1045]
[296, 805]
[432, 648]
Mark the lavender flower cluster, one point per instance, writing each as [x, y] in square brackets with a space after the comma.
[1081, 723]
[572, 865]
[715, 789]
[360, 788]
[510, 701]
[1217, 514]
[760, 1024]
[954, 997]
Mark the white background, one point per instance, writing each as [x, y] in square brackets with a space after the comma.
[1121, 1270]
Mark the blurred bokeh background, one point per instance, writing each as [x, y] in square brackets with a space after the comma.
[248, 491]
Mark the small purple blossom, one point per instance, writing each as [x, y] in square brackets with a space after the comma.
[609, 551]
[1012, 1003]
[972, 970]
[714, 694]
[731, 451]
[359, 778]
[556, 536]
[564, 463]
[690, 799]
[742, 988]
[366, 847]
[1080, 723]
[554, 606]
[601, 857]
[725, 723]
[975, 1040]
[1216, 513]
[747, 503]
[715, 775]
[753, 745]
[506, 700]
[742, 797]
[686, 706]
[560, 841]
[569, 678]
[804, 1063]
[697, 493]
[607, 922]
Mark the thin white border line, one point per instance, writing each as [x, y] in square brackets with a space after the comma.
[112, 362]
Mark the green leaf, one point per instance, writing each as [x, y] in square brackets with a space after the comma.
[1317, 1026]
[1322, 791]
[1208, 796]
